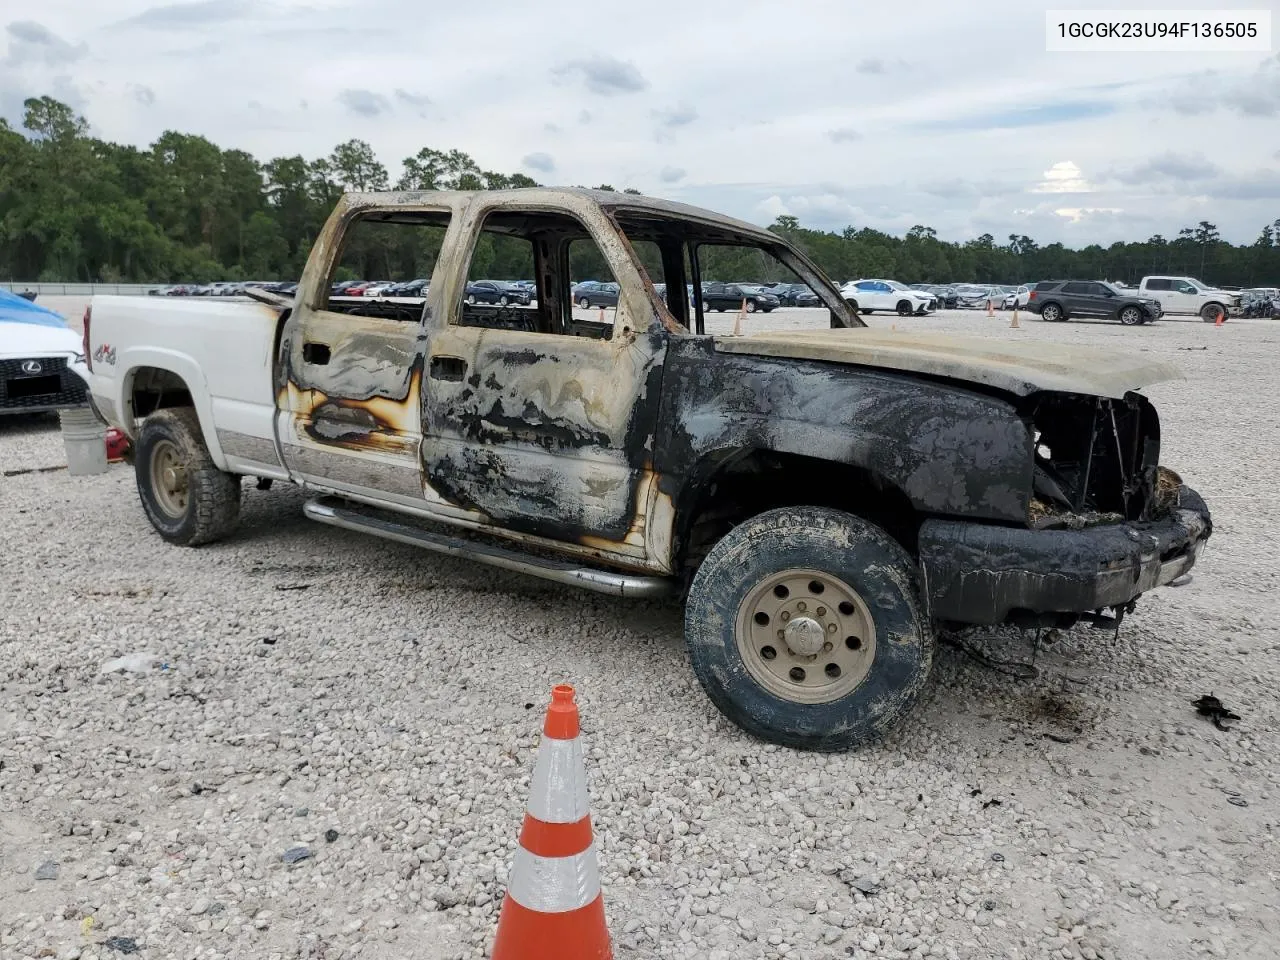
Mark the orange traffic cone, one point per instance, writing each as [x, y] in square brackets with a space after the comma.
[554, 909]
[1222, 318]
[1013, 324]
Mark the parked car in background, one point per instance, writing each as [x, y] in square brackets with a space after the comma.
[1016, 299]
[975, 296]
[340, 288]
[1057, 300]
[595, 293]
[412, 288]
[496, 291]
[801, 296]
[871, 295]
[738, 296]
[1260, 302]
[1187, 295]
[41, 359]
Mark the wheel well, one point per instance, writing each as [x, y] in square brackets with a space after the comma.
[749, 482]
[154, 389]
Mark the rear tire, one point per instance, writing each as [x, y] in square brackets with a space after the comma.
[1052, 313]
[186, 497]
[856, 650]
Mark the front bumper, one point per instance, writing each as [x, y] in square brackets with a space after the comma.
[983, 574]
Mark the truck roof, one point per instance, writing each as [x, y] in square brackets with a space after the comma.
[559, 196]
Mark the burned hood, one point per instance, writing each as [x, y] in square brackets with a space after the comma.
[1020, 367]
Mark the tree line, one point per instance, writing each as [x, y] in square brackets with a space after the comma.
[77, 208]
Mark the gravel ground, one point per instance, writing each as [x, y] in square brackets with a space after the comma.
[380, 707]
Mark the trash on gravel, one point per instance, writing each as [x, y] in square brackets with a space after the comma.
[330, 836]
[47, 871]
[997, 857]
[866, 885]
[121, 944]
[285, 587]
[296, 854]
[1237, 801]
[132, 663]
[1213, 708]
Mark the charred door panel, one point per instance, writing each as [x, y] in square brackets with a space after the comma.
[949, 450]
[546, 434]
[351, 403]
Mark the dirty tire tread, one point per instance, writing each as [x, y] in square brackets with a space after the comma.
[866, 558]
[214, 495]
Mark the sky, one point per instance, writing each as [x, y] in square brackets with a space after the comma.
[837, 112]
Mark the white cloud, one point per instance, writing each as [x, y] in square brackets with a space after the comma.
[1063, 177]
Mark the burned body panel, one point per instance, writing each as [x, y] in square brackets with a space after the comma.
[548, 435]
[949, 450]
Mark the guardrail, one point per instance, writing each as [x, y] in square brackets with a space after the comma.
[82, 289]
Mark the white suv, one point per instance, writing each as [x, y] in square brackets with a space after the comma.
[871, 295]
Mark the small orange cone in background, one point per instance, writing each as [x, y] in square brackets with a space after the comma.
[1222, 318]
[554, 909]
[1013, 324]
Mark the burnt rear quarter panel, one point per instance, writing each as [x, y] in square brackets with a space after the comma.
[951, 451]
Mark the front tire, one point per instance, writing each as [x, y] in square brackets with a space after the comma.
[186, 497]
[1131, 316]
[804, 628]
[1210, 312]
[584, 304]
[750, 306]
[904, 308]
[1052, 313]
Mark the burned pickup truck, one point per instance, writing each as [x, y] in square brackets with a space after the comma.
[824, 499]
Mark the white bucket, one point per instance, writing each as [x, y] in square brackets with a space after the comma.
[85, 438]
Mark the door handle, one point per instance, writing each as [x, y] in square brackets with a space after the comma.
[448, 368]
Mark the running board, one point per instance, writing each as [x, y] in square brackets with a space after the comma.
[335, 513]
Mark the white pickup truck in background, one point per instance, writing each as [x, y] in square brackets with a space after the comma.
[1186, 295]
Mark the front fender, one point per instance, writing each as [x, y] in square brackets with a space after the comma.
[950, 450]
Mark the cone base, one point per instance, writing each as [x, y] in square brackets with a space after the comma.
[525, 934]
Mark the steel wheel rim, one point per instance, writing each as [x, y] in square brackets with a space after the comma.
[805, 636]
[169, 479]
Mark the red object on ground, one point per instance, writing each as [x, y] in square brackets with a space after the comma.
[117, 445]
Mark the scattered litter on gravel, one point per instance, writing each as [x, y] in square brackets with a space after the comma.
[398, 699]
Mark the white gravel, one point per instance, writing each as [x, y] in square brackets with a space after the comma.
[397, 700]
